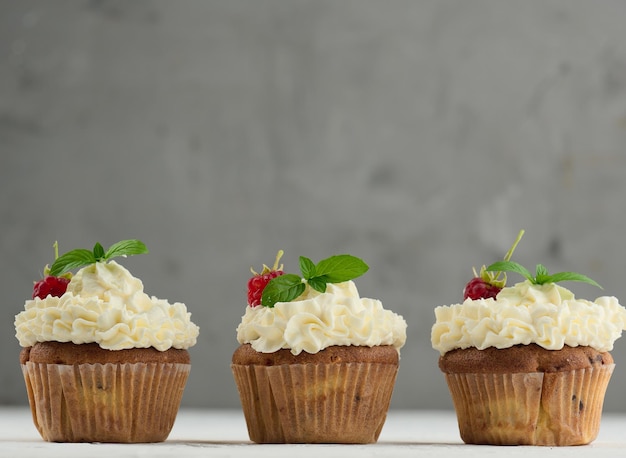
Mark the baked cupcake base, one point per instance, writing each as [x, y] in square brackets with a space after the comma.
[83, 393]
[339, 395]
[526, 395]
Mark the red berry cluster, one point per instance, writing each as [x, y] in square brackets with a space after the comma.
[259, 281]
[477, 288]
[257, 284]
[50, 286]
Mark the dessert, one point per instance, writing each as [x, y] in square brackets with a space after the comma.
[316, 363]
[102, 360]
[531, 365]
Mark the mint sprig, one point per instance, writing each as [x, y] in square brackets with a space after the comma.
[541, 274]
[83, 257]
[335, 269]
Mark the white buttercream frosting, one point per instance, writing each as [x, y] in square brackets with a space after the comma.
[105, 304]
[315, 320]
[547, 315]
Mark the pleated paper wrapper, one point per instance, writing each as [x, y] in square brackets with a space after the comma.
[123, 403]
[315, 403]
[550, 409]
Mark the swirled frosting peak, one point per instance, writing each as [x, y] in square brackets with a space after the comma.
[314, 321]
[547, 315]
[105, 304]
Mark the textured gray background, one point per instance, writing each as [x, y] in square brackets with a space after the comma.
[418, 135]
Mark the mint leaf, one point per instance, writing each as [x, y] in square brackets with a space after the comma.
[570, 276]
[510, 266]
[318, 283]
[126, 248]
[307, 267]
[71, 260]
[541, 274]
[98, 251]
[341, 268]
[283, 288]
[83, 257]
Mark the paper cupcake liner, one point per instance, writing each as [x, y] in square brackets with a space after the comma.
[126, 403]
[315, 403]
[551, 409]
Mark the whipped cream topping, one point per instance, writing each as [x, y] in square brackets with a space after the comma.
[105, 304]
[314, 321]
[547, 315]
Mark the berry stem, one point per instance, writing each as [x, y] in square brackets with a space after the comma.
[277, 260]
[509, 253]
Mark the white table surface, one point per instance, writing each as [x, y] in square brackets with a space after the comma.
[222, 433]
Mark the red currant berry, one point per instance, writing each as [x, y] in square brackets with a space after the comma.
[477, 288]
[259, 281]
[257, 284]
[50, 286]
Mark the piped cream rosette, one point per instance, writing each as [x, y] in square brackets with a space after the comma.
[547, 315]
[105, 304]
[315, 321]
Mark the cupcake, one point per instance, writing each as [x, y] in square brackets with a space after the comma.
[102, 360]
[316, 362]
[527, 364]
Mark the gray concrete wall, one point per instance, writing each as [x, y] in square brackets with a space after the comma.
[418, 135]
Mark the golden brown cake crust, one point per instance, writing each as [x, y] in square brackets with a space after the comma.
[91, 353]
[384, 354]
[521, 358]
